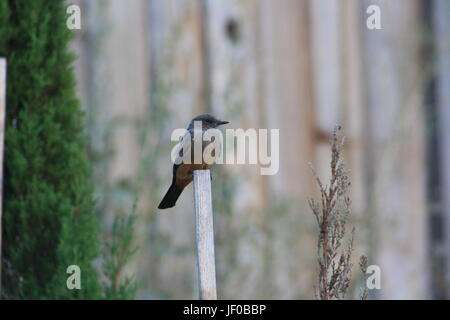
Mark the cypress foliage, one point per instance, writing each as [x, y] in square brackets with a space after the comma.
[49, 218]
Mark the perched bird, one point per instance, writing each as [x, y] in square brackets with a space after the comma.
[182, 172]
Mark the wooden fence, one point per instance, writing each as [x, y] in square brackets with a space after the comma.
[296, 65]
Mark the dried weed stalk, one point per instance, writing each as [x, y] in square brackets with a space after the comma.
[335, 267]
[363, 265]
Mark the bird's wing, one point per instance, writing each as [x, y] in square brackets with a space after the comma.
[184, 148]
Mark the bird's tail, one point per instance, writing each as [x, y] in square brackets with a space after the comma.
[171, 197]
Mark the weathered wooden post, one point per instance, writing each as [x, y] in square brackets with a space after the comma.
[2, 135]
[204, 235]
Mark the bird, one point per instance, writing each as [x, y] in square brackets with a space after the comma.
[182, 172]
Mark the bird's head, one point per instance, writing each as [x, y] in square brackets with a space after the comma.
[208, 122]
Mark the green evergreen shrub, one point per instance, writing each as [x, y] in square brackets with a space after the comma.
[49, 219]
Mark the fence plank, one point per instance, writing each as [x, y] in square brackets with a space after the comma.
[396, 179]
[442, 26]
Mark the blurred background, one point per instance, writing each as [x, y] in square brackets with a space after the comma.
[146, 67]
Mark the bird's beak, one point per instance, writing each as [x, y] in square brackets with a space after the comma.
[223, 122]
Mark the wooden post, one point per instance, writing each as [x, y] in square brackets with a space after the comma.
[204, 235]
[2, 134]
